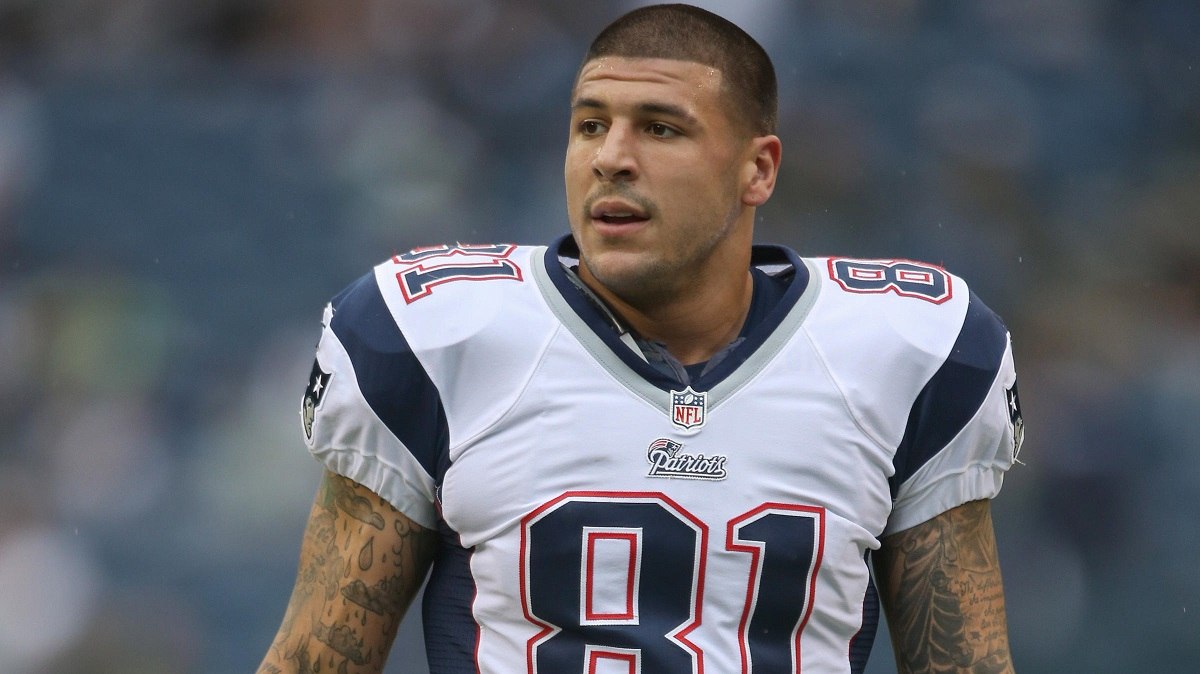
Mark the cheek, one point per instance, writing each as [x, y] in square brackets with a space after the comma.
[577, 164]
[701, 193]
[574, 177]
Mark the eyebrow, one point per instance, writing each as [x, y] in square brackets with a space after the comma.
[654, 109]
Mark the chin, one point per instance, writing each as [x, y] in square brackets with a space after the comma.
[627, 274]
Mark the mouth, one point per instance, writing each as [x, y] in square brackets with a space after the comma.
[619, 218]
[617, 212]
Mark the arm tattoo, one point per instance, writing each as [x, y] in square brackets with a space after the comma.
[942, 591]
[366, 556]
[351, 592]
[343, 640]
[358, 507]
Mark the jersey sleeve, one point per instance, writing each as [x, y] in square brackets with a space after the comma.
[370, 412]
[964, 429]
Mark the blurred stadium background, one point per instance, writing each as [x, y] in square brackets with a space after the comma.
[184, 184]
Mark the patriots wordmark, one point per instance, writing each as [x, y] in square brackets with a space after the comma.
[667, 460]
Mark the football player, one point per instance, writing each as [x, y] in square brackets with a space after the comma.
[652, 446]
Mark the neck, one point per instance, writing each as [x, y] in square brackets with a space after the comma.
[698, 320]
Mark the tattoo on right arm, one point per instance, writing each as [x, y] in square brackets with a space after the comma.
[351, 592]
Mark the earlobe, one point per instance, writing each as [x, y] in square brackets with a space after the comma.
[768, 151]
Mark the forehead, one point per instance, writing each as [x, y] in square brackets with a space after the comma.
[616, 77]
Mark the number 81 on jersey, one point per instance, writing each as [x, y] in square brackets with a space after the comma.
[614, 581]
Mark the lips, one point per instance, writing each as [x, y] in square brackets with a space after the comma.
[617, 212]
[620, 218]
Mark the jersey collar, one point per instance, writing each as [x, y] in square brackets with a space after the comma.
[772, 259]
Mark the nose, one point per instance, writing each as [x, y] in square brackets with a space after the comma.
[615, 158]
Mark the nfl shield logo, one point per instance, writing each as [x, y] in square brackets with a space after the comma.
[688, 408]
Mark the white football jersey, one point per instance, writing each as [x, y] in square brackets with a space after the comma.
[599, 517]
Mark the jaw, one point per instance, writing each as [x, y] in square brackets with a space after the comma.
[630, 270]
[626, 271]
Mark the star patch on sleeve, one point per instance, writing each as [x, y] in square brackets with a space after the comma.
[318, 383]
[1014, 418]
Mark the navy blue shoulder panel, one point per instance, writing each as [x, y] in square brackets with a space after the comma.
[390, 376]
[954, 394]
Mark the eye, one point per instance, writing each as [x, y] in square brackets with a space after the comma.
[660, 130]
[591, 127]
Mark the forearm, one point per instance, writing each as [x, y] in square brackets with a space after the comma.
[943, 594]
[361, 562]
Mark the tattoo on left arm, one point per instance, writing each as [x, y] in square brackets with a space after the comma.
[942, 591]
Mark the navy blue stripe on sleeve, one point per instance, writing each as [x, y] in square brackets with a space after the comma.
[954, 394]
[451, 634]
[390, 377]
[860, 645]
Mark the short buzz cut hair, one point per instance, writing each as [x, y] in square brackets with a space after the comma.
[686, 33]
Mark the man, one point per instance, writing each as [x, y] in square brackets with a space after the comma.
[653, 447]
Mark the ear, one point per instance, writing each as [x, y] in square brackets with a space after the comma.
[765, 153]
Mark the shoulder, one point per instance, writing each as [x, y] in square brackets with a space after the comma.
[402, 352]
[450, 316]
[887, 329]
[911, 304]
[439, 278]
[435, 296]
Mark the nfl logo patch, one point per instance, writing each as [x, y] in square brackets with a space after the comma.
[688, 408]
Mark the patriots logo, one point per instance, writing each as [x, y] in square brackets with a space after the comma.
[1015, 422]
[318, 383]
[689, 408]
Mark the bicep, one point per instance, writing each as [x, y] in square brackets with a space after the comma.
[943, 595]
[361, 563]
